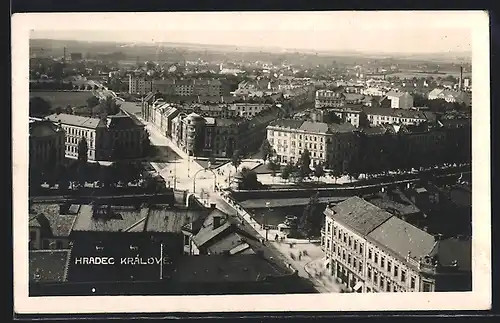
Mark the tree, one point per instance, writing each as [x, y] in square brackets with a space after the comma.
[311, 219]
[68, 109]
[287, 171]
[249, 179]
[92, 101]
[319, 171]
[109, 106]
[304, 169]
[83, 150]
[62, 178]
[39, 107]
[273, 166]
[236, 159]
[212, 161]
[266, 149]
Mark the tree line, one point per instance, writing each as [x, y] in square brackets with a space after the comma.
[378, 155]
[79, 172]
[55, 85]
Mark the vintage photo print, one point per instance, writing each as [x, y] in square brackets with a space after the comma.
[251, 161]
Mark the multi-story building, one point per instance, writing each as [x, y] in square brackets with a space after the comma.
[329, 144]
[201, 135]
[46, 143]
[378, 116]
[450, 96]
[370, 250]
[374, 91]
[191, 87]
[329, 99]
[118, 135]
[400, 100]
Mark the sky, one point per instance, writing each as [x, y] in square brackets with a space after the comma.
[368, 31]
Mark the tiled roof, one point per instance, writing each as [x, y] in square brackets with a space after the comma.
[287, 123]
[69, 119]
[219, 268]
[396, 94]
[359, 215]
[402, 113]
[227, 243]
[123, 219]
[121, 121]
[454, 249]
[341, 127]
[207, 232]
[403, 238]
[48, 265]
[399, 205]
[48, 217]
[315, 127]
[168, 219]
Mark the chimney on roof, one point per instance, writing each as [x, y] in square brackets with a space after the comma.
[212, 206]
[217, 221]
[461, 78]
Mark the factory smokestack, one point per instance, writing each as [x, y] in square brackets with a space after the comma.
[460, 82]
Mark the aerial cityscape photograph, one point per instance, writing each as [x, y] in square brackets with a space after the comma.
[217, 162]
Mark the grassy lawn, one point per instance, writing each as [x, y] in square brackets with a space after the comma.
[63, 99]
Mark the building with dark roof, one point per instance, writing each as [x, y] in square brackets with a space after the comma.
[331, 144]
[49, 228]
[115, 137]
[46, 143]
[370, 250]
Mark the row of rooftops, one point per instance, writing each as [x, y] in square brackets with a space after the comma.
[398, 237]
[92, 218]
[203, 82]
[312, 127]
[117, 121]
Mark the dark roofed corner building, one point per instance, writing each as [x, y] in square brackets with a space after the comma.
[117, 136]
[370, 250]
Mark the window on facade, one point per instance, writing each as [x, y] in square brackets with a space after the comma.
[328, 244]
[349, 259]
[369, 273]
[370, 254]
[388, 286]
[375, 258]
[381, 284]
[360, 248]
[375, 277]
[396, 271]
[350, 241]
[355, 244]
[389, 264]
[335, 231]
[382, 262]
[403, 276]
[427, 287]
[412, 282]
[345, 238]
[360, 266]
[343, 254]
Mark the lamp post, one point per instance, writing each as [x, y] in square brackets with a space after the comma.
[265, 220]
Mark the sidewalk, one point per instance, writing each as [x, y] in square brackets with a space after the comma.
[317, 270]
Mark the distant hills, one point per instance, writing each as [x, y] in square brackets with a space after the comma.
[50, 45]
